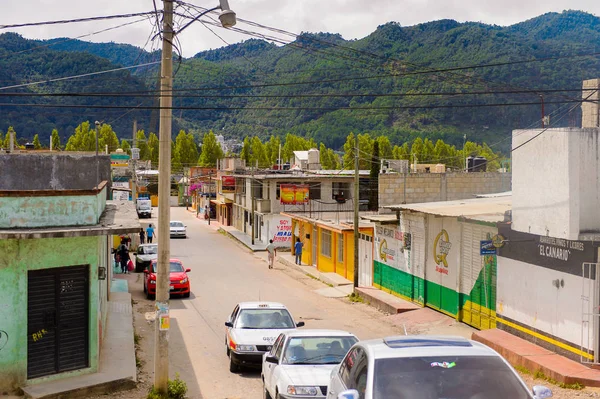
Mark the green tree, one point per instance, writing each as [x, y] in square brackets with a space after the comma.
[83, 139]
[125, 146]
[55, 140]
[107, 137]
[1, 138]
[416, 150]
[324, 157]
[272, 149]
[141, 142]
[153, 149]
[36, 142]
[246, 153]
[211, 150]
[385, 147]
[349, 152]
[186, 151]
[259, 154]
[7, 137]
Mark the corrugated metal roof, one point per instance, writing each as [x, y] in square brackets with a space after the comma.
[383, 219]
[489, 209]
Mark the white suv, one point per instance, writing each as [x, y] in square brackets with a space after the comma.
[427, 367]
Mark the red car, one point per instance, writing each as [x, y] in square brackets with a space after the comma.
[180, 283]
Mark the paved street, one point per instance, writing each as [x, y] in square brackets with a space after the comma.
[223, 274]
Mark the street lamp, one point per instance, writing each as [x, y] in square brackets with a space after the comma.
[161, 349]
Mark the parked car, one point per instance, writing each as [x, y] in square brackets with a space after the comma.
[179, 281]
[177, 229]
[144, 207]
[144, 255]
[251, 330]
[427, 367]
[300, 362]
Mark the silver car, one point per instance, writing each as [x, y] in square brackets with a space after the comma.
[145, 254]
[427, 367]
[177, 229]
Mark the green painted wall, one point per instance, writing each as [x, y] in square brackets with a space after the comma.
[19, 256]
[51, 211]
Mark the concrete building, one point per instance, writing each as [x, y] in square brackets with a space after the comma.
[430, 254]
[409, 188]
[56, 229]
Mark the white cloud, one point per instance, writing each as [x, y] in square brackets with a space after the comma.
[353, 19]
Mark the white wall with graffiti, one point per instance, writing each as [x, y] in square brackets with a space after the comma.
[277, 228]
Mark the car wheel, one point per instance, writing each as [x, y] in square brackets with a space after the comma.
[148, 295]
[227, 347]
[144, 288]
[187, 294]
[233, 366]
[266, 394]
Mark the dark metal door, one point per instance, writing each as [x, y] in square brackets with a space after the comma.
[57, 320]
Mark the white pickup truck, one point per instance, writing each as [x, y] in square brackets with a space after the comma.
[144, 208]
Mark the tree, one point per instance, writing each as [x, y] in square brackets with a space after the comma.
[55, 140]
[385, 147]
[258, 153]
[7, 137]
[272, 149]
[107, 137]
[36, 142]
[1, 138]
[211, 150]
[246, 151]
[83, 139]
[153, 149]
[142, 143]
[365, 149]
[125, 146]
[186, 151]
[349, 152]
[374, 178]
[324, 157]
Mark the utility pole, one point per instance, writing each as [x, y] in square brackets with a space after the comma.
[356, 203]
[543, 113]
[97, 160]
[161, 347]
[133, 163]
[209, 192]
[253, 204]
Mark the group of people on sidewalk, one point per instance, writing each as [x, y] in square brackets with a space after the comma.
[121, 253]
[272, 252]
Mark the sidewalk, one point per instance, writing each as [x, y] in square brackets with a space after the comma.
[117, 369]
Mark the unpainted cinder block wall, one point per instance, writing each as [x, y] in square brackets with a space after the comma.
[399, 188]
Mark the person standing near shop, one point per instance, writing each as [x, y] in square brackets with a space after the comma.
[298, 251]
[150, 233]
[271, 253]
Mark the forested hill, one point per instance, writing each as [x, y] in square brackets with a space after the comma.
[324, 87]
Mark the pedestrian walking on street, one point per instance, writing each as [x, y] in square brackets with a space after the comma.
[298, 251]
[271, 253]
[142, 235]
[123, 257]
[150, 233]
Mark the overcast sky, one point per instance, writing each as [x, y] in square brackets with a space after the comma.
[353, 19]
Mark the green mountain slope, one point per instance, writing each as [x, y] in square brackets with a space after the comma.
[324, 87]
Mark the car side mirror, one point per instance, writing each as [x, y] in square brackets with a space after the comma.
[228, 324]
[188, 270]
[272, 359]
[541, 392]
[348, 394]
[300, 324]
[146, 271]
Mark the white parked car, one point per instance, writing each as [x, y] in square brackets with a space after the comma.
[177, 229]
[300, 362]
[427, 367]
[251, 330]
[144, 255]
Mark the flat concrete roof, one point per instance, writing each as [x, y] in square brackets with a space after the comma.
[489, 209]
[382, 219]
[119, 217]
[307, 174]
[344, 225]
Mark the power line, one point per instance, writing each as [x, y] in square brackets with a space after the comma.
[69, 21]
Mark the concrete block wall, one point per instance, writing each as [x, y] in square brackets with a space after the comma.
[590, 110]
[430, 187]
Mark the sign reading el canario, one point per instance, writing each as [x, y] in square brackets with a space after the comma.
[293, 194]
[486, 247]
[550, 252]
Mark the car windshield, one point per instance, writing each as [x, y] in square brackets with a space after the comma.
[176, 224]
[264, 319]
[317, 350]
[145, 206]
[176, 267]
[446, 377]
[149, 250]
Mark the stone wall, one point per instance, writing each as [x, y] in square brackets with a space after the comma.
[590, 109]
[396, 188]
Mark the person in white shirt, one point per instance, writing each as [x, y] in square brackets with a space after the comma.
[271, 253]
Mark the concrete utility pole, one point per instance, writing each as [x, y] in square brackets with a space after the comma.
[253, 205]
[134, 161]
[161, 348]
[209, 190]
[97, 160]
[356, 203]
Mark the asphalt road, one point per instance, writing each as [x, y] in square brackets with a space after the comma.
[223, 274]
